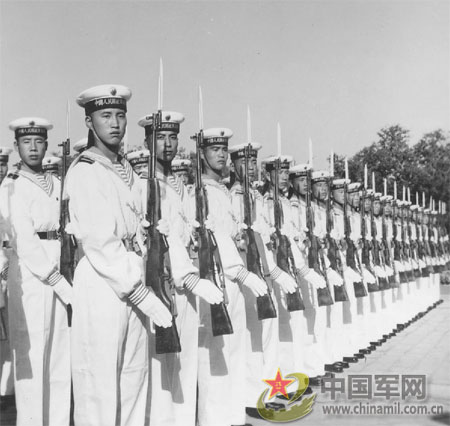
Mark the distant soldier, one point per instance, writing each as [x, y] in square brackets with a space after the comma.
[37, 292]
[6, 373]
[222, 364]
[51, 165]
[111, 302]
[181, 167]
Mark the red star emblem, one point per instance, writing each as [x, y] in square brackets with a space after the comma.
[278, 385]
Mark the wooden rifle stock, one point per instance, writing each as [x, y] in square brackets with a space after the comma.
[315, 253]
[254, 258]
[210, 264]
[284, 257]
[158, 271]
[68, 244]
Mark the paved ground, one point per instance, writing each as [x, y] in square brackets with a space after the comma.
[422, 348]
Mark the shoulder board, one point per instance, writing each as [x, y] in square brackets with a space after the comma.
[84, 159]
[13, 175]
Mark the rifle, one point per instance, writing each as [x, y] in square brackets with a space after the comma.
[256, 261]
[68, 243]
[315, 253]
[386, 246]
[377, 253]
[351, 253]
[365, 254]
[158, 270]
[210, 263]
[285, 258]
[340, 292]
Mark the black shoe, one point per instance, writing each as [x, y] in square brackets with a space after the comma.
[365, 351]
[316, 381]
[393, 334]
[289, 396]
[274, 406]
[381, 341]
[333, 368]
[350, 359]
[359, 356]
[375, 343]
[372, 348]
[252, 412]
[386, 336]
[328, 375]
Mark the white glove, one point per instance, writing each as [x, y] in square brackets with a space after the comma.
[163, 227]
[389, 270]
[399, 266]
[63, 290]
[316, 280]
[285, 281]
[333, 277]
[256, 285]
[210, 225]
[208, 291]
[153, 308]
[368, 278]
[379, 271]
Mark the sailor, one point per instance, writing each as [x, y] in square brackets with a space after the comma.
[51, 165]
[37, 292]
[173, 384]
[222, 364]
[6, 374]
[111, 301]
[181, 167]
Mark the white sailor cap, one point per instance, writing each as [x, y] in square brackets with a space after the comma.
[386, 198]
[413, 207]
[238, 151]
[51, 163]
[320, 176]
[369, 192]
[4, 154]
[181, 164]
[299, 170]
[104, 97]
[427, 211]
[216, 136]
[138, 157]
[377, 195]
[28, 126]
[354, 187]
[170, 121]
[339, 183]
[285, 162]
[434, 212]
[80, 145]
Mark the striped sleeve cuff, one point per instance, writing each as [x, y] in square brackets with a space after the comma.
[242, 275]
[303, 271]
[275, 273]
[4, 274]
[138, 294]
[191, 281]
[53, 278]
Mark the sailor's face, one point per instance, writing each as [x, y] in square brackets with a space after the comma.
[376, 207]
[300, 184]
[239, 168]
[388, 209]
[166, 145]
[183, 175]
[367, 204]
[338, 195]
[283, 178]
[320, 190]
[3, 170]
[109, 125]
[353, 198]
[141, 168]
[216, 157]
[31, 149]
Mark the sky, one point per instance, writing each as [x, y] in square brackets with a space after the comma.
[333, 71]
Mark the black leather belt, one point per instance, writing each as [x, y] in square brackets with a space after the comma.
[48, 235]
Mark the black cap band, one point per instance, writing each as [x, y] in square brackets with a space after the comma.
[105, 103]
[241, 154]
[31, 131]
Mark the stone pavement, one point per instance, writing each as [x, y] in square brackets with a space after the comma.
[422, 348]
